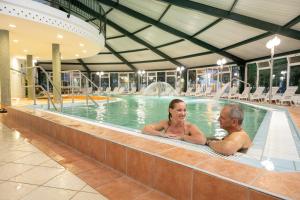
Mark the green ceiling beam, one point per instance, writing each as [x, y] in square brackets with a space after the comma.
[84, 65]
[122, 30]
[170, 30]
[121, 58]
[249, 21]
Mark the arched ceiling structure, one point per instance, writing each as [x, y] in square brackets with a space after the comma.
[164, 34]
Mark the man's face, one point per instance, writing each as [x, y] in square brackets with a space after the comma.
[225, 121]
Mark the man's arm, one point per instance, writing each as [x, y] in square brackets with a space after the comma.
[229, 145]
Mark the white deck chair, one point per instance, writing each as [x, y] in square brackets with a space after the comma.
[115, 90]
[288, 95]
[245, 94]
[258, 94]
[208, 92]
[121, 90]
[133, 90]
[232, 92]
[296, 99]
[189, 91]
[274, 93]
[199, 91]
[107, 90]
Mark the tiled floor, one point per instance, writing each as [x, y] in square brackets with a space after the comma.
[27, 173]
[49, 170]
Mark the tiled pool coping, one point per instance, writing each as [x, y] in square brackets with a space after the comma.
[254, 156]
[158, 165]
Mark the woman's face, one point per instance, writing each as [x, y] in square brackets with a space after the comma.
[179, 111]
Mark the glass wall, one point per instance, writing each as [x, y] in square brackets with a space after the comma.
[171, 78]
[295, 77]
[161, 76]
[114, 80]
[252, 76]
[132, 81]
[151, 77]
[280, 74]
[124, 81]
[104, 83]
[264, 78]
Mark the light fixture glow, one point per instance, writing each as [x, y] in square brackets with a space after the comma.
[15, 41]
[81, 44]
[25, 50]
[77, 55]
[12, 26]
[84, 51]
[273, 42]
[59, 36]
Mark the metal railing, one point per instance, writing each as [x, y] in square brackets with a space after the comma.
[87, 82]
[68, 7]
[247, 84]
[47, 90]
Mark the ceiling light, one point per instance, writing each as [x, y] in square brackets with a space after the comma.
[60, 36]
[15, 41]
[76, 55]
[84, 51]
[25, 50]
[12, 26]
[82, 45]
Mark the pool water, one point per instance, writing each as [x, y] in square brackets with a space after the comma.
[133, 112]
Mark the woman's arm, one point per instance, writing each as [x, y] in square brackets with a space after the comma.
[195, 135]
[154, 129]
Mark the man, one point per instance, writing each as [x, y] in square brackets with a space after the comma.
[231, 119]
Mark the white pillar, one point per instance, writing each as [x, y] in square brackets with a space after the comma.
[5, 69]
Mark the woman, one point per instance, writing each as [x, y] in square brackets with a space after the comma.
[176, 127]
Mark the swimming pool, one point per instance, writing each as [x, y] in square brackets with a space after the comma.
[133, 112]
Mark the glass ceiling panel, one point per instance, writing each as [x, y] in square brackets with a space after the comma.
[127, 22]
[275, 11]
[185, 20]
[156, 36]
[150, 8]
[228, 32]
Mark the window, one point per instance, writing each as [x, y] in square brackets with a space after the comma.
[295, 77]
[251, 76]
[264, 78]
[113, 80]
[280, 74]
[161, 76]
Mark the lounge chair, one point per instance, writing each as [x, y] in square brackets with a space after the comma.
[288, 95]
[245, 95]
[258, 94]
[232, 92]
[296, 99]
[274, 93]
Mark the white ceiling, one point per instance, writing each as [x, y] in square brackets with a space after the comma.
[35, 30]
[189, 21]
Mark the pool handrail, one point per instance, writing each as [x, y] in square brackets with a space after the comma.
[48, 80]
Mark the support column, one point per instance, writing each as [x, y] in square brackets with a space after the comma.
[5, 69]
[56, 69]
[29, 76]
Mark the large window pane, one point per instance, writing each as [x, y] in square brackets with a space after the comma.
[264, 78]
[161, 76]
[113, 80]
[279, 74]
[171, 80]
[251, 76]
[295, 77]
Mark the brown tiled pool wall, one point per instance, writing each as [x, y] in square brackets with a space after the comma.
[177, 172]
